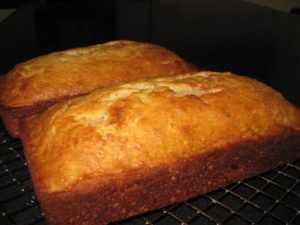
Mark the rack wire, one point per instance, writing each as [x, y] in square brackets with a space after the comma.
[270, 198]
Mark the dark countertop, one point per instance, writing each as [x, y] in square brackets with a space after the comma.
[230, 35]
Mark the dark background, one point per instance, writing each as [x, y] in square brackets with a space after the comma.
[229, 35]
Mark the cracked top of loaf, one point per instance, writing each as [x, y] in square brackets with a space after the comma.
[150, 123]
[79, 71]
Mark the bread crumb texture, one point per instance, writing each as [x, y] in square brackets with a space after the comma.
[82, 70]
[151, 123]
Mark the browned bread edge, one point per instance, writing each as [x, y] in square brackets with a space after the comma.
[149, 189]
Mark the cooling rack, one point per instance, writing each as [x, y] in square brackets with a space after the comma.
[270, 198]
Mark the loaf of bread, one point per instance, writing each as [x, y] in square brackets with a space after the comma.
[124, 150]
[33, 86]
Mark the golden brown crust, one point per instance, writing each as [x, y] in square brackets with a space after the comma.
[122, 143]
[137, 192]
[149, 123]
[79, 71]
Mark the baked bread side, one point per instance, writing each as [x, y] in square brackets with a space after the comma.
[34, 85]
[119, 151]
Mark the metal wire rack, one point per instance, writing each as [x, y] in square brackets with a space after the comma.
[271, 198]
